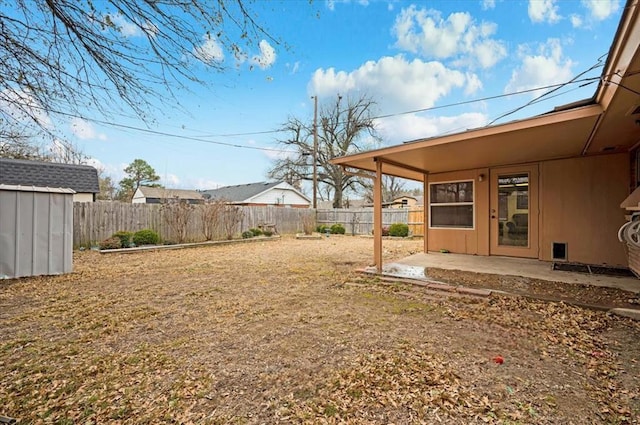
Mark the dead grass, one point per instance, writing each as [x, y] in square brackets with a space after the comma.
[285, 332]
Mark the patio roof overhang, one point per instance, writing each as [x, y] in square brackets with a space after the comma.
[556, 135]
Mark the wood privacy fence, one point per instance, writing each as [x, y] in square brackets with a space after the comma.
[94, 222]
[360, 221]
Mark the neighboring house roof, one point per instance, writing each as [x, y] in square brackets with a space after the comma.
[163, 193]
[606, 123]
[244, 192]
[80, 178]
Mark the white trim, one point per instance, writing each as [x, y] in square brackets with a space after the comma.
[20, 188]
[446, 204]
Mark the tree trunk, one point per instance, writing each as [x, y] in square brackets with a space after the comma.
[337, 198]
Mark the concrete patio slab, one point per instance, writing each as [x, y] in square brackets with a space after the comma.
[419, 264]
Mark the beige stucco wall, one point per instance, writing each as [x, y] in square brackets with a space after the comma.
[580, 205]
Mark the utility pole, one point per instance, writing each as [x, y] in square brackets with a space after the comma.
[315, 151]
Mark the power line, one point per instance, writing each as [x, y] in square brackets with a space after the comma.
[166, 134]
[555, 87]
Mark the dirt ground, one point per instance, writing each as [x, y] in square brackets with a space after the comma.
[285, 332]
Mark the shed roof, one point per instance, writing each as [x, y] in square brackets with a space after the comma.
[163, 193]
[80, 178]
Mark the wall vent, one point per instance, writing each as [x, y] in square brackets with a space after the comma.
[559, 251]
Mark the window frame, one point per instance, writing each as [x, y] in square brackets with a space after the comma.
[449, 204]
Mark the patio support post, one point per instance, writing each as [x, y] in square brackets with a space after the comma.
[377, 217]
[425, 211]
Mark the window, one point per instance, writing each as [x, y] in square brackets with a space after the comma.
[451, 204]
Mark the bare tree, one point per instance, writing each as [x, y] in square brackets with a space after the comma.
[392, 188]
[23, 142]
[65, 57]
[340, 132]
[232, 217]
[177, 213]
[212, 214]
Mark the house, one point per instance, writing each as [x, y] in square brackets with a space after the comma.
[406, 201]
[280, 194]
[82, 179]
[158, 195]
[547, 187]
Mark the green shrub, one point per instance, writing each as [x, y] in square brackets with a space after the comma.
[111, 243]
[322, 228]
[125, 238]
[268, 233]
[256, 232]
[337, 229]
[146, 237]
[247, 234]
[399, 229]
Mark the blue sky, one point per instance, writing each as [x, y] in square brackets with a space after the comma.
[406, 56]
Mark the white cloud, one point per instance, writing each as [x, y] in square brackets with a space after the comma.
[546, 67]
[473, 84]
[601, 9]
[294, 68]
[576, 21]
[403, 85]
[544, 11]
[267, 55]
[84, 130]
[488, 4]
[209, 51]
[425, 32]
[123, 26]
[412, 127]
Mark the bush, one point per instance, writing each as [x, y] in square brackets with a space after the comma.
[322, 228]
[337, 229]
[125, 238]
[146, 237]
[247, 234]
[111, 243]
[399, 229]
[268, 233]
[256, 232]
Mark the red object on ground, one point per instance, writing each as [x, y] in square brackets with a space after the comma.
[498, 359]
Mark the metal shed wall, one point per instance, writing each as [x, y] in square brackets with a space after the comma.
[36, 231]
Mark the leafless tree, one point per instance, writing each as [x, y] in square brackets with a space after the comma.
[212, 214]
[392, 188]
[340, 132]
[232, 217]
[65, 57]
[177, 214]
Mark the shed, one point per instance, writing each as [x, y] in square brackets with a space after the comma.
[83, 179]
[36, 231]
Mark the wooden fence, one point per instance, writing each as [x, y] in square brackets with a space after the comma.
[94, 222]
[360, 221]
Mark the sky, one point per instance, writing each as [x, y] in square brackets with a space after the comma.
[432, 68]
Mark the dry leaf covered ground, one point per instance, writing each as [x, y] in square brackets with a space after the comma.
[284, 331]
